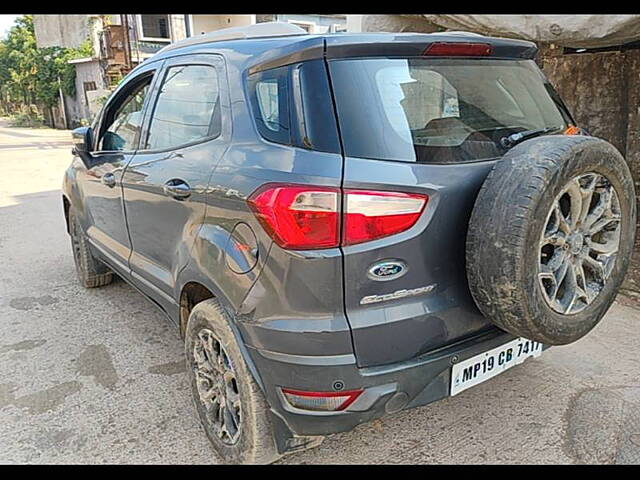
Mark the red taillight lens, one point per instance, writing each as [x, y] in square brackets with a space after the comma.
[298, 217]
[371, 214]
[307, 217]
[321, 401]
[458, 49]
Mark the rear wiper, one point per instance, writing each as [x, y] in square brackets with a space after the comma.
[515, 138]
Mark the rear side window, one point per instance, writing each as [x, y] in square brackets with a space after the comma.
[270, 102]
[438, 110]
[187, 108]
[292, 105]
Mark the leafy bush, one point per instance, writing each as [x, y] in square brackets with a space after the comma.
[27, 116]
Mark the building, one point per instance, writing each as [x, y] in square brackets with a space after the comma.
[311, 23]
[120, 42]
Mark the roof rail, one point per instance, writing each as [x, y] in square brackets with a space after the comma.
[460, 32]
[257, 30]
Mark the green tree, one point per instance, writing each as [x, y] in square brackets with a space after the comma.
[20, 54]
[30, 75]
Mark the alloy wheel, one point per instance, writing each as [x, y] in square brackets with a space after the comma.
[217, 387]
[579, 244]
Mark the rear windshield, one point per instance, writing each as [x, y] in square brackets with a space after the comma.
[438, 110]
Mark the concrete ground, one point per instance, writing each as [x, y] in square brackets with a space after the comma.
[97, 376]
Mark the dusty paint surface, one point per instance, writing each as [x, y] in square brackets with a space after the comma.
[98, 375]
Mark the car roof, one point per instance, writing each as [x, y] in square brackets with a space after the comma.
[257, 53]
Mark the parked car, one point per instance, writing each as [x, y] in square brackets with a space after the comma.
[343, 226]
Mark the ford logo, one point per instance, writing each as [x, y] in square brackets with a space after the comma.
[388, 270]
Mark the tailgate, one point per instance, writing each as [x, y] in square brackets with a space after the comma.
[428, 127]
[432, 252]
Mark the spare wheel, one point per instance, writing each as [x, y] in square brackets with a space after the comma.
[550, 237]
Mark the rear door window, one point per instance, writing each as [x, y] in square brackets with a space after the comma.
[438, 110]
[187, 108]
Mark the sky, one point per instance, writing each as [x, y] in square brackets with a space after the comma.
[6, 22]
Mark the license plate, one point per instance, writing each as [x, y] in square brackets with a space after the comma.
[487, 365]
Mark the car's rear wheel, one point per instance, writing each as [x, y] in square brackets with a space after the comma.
[550, 237]
[230, 404]
[91, 272]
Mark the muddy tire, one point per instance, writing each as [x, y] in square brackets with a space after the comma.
[230, 404]
[550, 237]
[91, 272]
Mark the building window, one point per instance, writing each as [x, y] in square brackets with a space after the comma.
[154, 27]
[338, 27]
[88, 86]
[114, 78]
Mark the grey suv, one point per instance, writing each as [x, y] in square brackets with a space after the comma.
[344, 226]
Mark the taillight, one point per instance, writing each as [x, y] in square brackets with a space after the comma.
[458, 49]
[572, 130]
[301, 217]
[370, 214]
[321, 401]
[298, 217]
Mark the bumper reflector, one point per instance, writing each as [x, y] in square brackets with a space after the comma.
[321, 401]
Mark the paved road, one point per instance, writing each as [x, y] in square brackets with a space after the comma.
[96, 376]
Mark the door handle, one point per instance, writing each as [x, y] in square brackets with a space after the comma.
[109, 179]
[178, 189]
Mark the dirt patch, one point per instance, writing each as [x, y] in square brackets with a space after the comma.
[41, 401]
[24, 345]
[95, 361]
[27, 303]
[603, 426]
[171, 368]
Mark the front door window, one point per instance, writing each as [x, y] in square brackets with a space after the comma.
[124, 120]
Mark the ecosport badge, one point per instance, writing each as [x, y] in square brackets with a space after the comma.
[397, 294]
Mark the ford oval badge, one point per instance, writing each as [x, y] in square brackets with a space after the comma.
[387, 270]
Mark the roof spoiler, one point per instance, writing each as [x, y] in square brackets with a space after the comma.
[387, 45]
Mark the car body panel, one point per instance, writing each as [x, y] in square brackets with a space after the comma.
[433, 252]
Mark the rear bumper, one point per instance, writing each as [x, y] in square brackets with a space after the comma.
[387, 389]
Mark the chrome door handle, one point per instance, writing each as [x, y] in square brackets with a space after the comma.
[177, 189]
[109, 179]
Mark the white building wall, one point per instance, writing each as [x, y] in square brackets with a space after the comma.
[85, 107]
[315, 23]
[354, 23]
[209, 23]
[68, 31]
